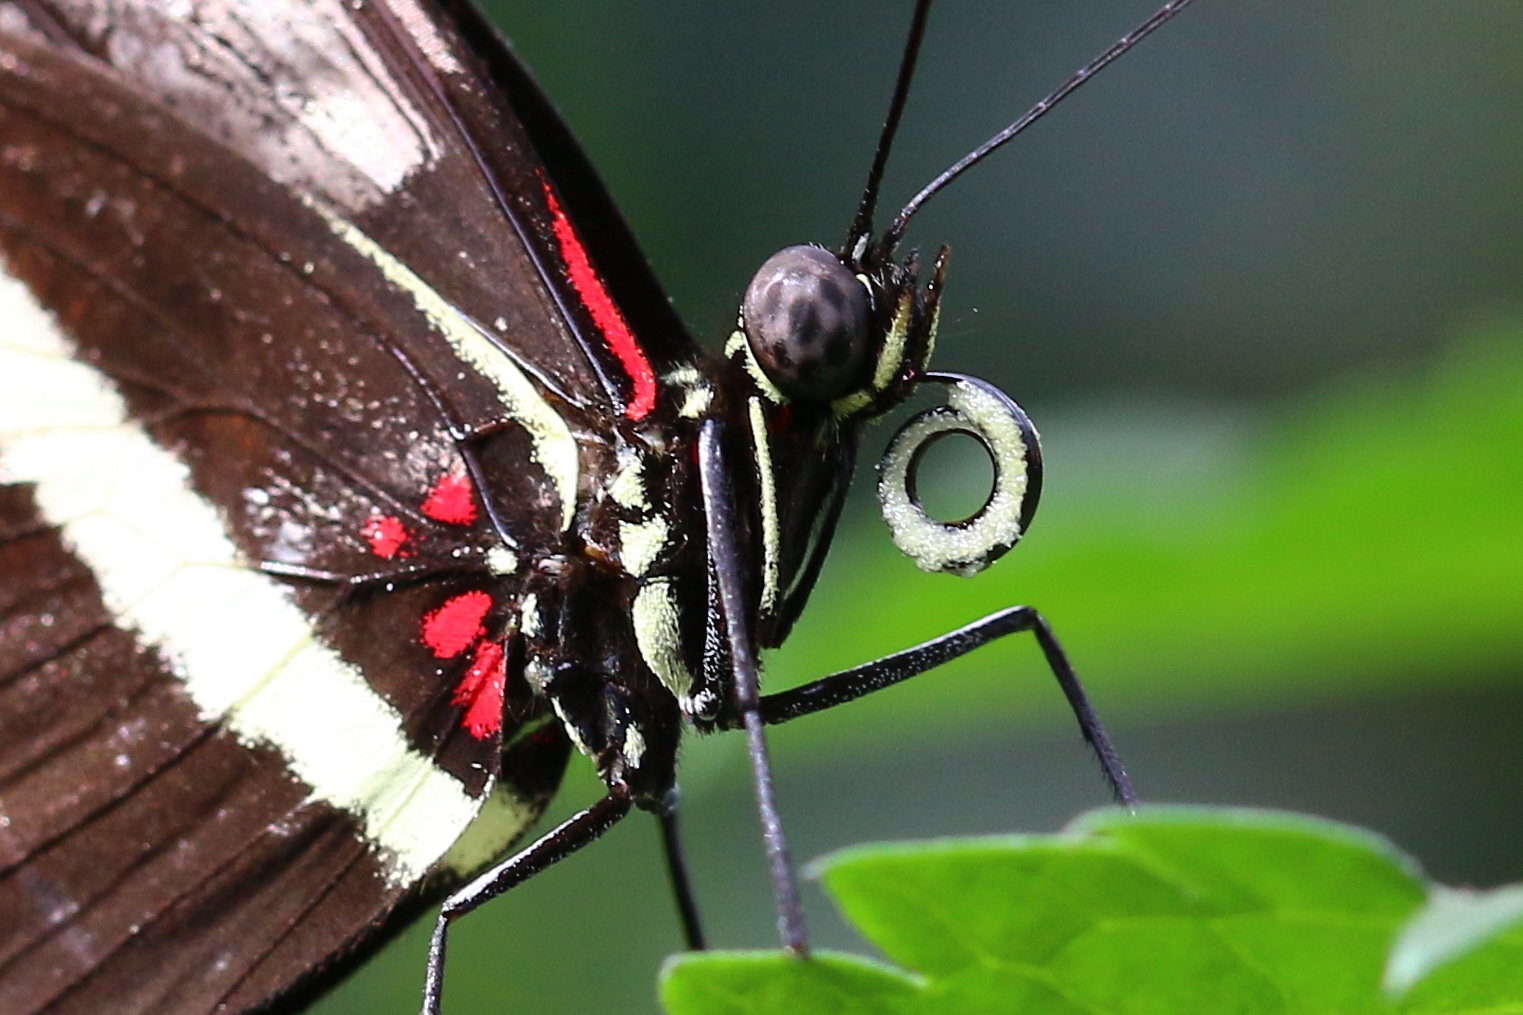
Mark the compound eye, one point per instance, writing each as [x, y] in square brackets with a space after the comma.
[806, 317]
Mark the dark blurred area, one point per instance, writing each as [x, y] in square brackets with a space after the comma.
[1269, 224]
[1260, 197]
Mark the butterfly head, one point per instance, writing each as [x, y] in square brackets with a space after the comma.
[825, 342]
[835, 333]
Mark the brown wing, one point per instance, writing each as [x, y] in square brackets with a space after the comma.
[291, 274]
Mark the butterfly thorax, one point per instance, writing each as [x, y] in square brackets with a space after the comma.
[626, 642]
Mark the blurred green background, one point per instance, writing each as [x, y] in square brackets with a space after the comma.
[1260, 285]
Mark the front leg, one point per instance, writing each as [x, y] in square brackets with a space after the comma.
[848, 685]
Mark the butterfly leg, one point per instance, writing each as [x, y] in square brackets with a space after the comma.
[551, 848]
[848, 685]
[682, 885]
[717, 518]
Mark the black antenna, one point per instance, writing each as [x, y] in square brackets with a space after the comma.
[862, 226]
[896, 231]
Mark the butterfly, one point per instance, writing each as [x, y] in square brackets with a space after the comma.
[355, 474]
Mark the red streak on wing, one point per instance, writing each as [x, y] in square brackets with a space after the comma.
[452, 500]
[604, 313]
[450, 630]
[387, 536]
[481, 691]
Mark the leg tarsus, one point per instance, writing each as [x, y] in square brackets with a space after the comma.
[552, 847]
[682, 884]
[854, 683]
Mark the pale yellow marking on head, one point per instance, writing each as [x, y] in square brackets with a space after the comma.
[891, 356]
[930, 338]
[658, 633]
[551, 440]
[890, 362]
[738, 343]
[771, 526]
[850, 405]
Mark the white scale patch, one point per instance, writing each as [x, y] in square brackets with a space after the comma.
[628, 486]
[554, 447]
[420, 28]
[640, 543]
[316, 108]
[891, 356]
[771, 524]
[634, 747]
[168, 570]
[696, 395]
[658, 633]
[502, 561]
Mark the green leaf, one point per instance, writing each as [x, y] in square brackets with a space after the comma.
[749, 983]
[1474, 938]
[1176, 910]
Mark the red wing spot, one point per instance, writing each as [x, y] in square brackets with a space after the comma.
[387, 536]
[605, 314]
[452, 500]
[450, 629]
[481, 691]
